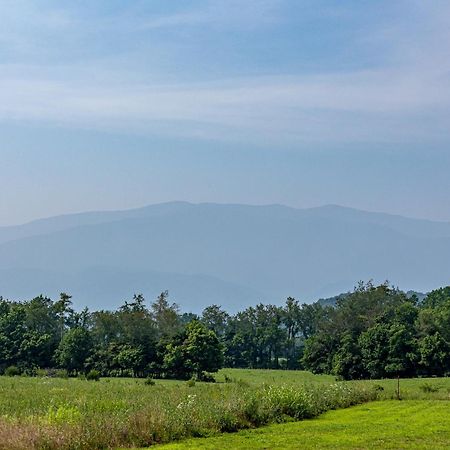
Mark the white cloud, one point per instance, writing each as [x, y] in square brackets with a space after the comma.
[361, 106]
[216, 13]
[405, 100]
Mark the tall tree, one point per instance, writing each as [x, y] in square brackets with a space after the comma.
[195, 351]
[166, 315]
[74, 349]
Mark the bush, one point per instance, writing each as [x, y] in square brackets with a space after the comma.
[12, 371]
[93, 375]
[61, 373]
[378, 387]
[428, 387]
[190, 383]
[52, 373]
[289, 401]
[40, 373]
[149, 381]
[206, 377]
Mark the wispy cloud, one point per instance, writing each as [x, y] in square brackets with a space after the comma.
[364, 105]
[229, 14]
[406, 99]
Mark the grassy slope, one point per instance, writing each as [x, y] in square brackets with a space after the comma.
[377, 425]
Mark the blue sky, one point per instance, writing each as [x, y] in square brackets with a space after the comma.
[115, 104]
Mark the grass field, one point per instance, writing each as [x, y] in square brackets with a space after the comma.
[72, 413]
[413, 424]
[258, 377]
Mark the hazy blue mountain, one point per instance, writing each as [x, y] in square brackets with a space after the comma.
[332, 301]
[59, 223]
[107, 288]
[235, 255]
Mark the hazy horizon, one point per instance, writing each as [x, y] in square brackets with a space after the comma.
[117, 104]
[226, 254]
[146, 205]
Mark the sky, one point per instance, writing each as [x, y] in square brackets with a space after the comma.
[116, 104]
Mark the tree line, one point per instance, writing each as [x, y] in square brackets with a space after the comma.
[372, 332]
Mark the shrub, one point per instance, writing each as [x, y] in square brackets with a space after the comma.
[52, 373]
[228, 379]
[428, 387]
[289, 401]
[206, 377]
[93, 375]
[40, 373]
[190, 383]
[12, 371]
[149, 381]
[61, 373]
[377, 387]
[29, 371]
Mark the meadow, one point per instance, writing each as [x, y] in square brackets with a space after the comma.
[54, 413]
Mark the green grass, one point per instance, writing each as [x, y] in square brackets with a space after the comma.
[414, 388]
[258, 376]
[72, 413]
[57, 413]
[410, 389]
[414, 424]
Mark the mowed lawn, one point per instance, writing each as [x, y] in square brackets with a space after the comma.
[390, 424]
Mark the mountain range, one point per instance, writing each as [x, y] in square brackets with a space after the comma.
[233, 255]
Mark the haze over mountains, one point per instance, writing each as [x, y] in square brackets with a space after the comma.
[234, 255]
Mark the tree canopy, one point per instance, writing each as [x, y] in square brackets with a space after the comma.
[372, 332]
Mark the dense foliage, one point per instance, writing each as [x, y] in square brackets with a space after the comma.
[373, 332]
[132, 341]
[379, 331]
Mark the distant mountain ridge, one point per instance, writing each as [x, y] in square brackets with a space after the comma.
[206, 253]
[66, 221]
[332, 301]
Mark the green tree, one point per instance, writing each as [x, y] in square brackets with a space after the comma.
[63, 309]
[74, 349]
[291, 315]
[434, 354]
[166, 316]
[12, 332]
[216, 319]
[347, 361]
[131, 359]
[319, 353]
[374, 344]
[195, 351]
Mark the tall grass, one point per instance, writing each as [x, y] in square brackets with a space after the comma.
[77, 414]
